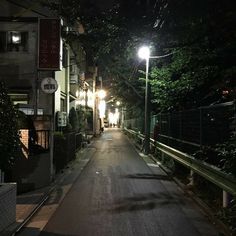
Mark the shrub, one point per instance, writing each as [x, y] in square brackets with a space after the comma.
[9, 135]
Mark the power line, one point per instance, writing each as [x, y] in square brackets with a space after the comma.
[26, 8]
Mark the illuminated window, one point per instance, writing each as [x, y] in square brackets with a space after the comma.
[14, 37]
[13, 41]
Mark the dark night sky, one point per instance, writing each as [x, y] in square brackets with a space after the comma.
[101, 4]
[105, 3]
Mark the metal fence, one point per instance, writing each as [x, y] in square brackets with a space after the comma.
[189, 130]
[43, 138]
[208, 172]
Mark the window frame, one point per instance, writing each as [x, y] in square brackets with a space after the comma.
[7, 45]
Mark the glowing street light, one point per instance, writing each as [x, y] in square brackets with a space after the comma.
[101, 94]
[144, 53]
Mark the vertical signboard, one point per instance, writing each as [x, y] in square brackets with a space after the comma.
[49, 48]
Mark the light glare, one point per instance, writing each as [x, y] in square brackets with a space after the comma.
[144, 52]
[101, 94]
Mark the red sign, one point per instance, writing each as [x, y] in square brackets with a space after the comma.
[49, 48]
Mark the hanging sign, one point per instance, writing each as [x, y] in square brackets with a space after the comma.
[50, 44]
[49, 85]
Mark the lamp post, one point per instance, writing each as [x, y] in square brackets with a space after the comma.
[144, 53]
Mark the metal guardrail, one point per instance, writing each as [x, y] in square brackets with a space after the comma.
[209, 172]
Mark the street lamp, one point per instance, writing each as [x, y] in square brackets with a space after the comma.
[144, 53]
[101, 94]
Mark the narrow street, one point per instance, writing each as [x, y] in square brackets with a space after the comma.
[118, 194]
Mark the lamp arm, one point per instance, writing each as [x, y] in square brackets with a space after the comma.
[162, 56]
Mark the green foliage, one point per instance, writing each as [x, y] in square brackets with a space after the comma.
[203, 41]
[80, 118]
[9, 136]
[69, 10]
[228, 215]
[81, 114]
[221, 155]
[227, 154]
[200, 33]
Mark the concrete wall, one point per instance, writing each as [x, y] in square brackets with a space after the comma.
[18, 69]
[7, 205]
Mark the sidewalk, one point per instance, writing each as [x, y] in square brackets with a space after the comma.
[28, 203]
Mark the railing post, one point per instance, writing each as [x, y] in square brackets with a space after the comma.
[180, 126]
[191, 178]
[169, 130]
[1, 176]
[205, 170]
[201, 127]
[225, 199]
[162, 157]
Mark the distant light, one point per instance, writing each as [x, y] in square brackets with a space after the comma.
[82, 96]
[118, 103]
[114, 117]
[101, 94]
[102, 108]
[144, 52]
[77, 93]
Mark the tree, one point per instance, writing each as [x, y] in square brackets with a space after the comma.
[112, 39]
[9, 136]
[109, 40]
[200, 33]
[201, 71]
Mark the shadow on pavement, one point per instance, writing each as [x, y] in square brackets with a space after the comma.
[148, 176]
[143, 202]
[29, 199]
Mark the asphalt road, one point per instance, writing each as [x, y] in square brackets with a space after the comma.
[118, 194]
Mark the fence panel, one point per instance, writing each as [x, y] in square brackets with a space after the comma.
[43, 138]
[189, 130]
